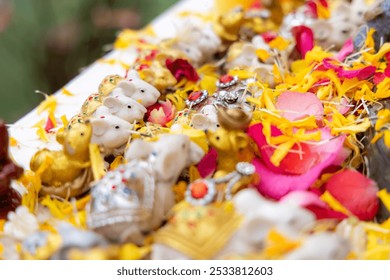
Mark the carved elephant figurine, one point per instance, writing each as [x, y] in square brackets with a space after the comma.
[142, 194]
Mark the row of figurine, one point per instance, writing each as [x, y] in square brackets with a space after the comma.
[130, 202]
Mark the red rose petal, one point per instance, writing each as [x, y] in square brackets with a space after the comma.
[49, 125]
[269, 36]
[346, 50]
[208, 164]
[181, 68]
[355, 192]
[304, 39]
[379, 77]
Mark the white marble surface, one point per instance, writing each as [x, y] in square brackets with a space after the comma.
[87, 82]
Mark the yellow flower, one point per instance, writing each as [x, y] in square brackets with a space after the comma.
[262, 54]
[279, 43]
[64, 91]
[49, 105]
[349, 124]
[384, 196]
[278, 245]
[383, 89]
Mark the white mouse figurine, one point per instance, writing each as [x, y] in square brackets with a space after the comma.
[123, 107]
[201, 36]
[137, 89]
[206, 119]
[111, 133]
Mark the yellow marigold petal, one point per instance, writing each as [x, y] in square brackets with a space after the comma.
[317, 54]
[117, 161]
[64, 120]
[241, 74]
[333, 203]
[66, 92]
[13, 142]
[113, 61]
[49, 105]
[97, 163]
[376, 137]
[279, 43]
[278, 77]
[281, 152]
[41, 133]
[2, 222]
[209, 83]
[384, 196]
[278, 245]
[370, 43]
[353, 128]
[323, 12]
[383, 118]
[194, 173]
[386, 138]
[298, 65]
[262, 54]
[52, 206]
[267, 130]
[132, 252]
[269, 100]
[208, 70]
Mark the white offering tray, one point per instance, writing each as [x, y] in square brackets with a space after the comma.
[87, 82]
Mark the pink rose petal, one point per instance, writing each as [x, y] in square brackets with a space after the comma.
[161, 113]
[297, 105]
[327, 63]
[346, 50]
[275, 183]
[361, 74]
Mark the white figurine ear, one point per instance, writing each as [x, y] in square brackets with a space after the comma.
[138, 149]
[113, 104]
[127, 87]
[133, 74]
[200, 121]
[99, 126]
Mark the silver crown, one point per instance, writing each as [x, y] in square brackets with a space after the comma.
[122, 200]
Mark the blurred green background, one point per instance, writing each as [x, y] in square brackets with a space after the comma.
[45, 43]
